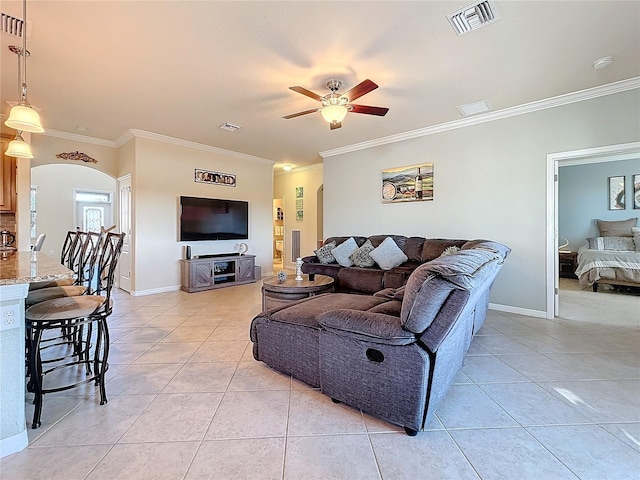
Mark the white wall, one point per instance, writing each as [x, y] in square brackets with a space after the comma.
[163, 172]
[489, 182]
[54, 199]
[310, 178]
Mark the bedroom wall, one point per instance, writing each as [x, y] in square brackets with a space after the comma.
[583, 198]
[490, 182]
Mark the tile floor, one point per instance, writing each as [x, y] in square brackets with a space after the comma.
[537, 399]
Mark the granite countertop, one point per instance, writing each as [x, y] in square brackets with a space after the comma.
[29, 267]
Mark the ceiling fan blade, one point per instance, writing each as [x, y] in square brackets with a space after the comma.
[380, 111]
[293, 115]
[306, 92]
[359, 90]
[334, 125]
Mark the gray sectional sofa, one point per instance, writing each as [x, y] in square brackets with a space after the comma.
[393, 354]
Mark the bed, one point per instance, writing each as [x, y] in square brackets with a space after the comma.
[607, 266]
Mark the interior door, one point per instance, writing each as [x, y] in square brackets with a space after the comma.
[124, 205]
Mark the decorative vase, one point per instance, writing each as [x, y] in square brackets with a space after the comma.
[299, 269]
[282, 276]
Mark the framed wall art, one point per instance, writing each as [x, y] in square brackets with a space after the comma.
[408, 184]
[636, 191]
[616, 193]
[215, 178]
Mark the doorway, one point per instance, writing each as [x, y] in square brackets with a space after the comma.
[609, 153]
[124, 214]
[278, 234]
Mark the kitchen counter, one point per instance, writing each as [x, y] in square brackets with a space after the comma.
[17, 270]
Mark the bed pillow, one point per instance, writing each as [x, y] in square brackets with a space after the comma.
[620, 228]
[388, 255]
[361, 257]
[324, 253]
[636, 237]
[343, 251]
[620, 244]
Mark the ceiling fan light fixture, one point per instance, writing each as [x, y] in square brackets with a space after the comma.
[19, 148]
[334, 113]
[24, 118]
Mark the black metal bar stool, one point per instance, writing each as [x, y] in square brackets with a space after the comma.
[85, 344]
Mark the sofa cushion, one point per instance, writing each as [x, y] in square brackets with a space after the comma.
[619, 228]
[433, 247]
[361, 280]
[361, 257]
[366, 326]
[324, 253]
[388, 255]
[343, 251]
[413, 248]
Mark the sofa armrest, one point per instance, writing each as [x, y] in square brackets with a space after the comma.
[367, 326]
[310, 259]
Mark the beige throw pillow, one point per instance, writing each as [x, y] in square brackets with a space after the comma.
[388, 255]
[343, 251]
[619, 228]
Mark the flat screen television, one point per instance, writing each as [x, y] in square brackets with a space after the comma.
[213, 219]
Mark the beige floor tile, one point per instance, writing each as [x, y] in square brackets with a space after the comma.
[250, 415]
[467, 406]
[330, 456]
[167, 321]
[143, 379]
[188, 334]
[169, 353]
[174, 418]
[252, 375]
[53, 463]
[230, 351]
[196, 377]
[127, 353]
[313, 413]
[145, 335]
[252, 458]
[146, 461]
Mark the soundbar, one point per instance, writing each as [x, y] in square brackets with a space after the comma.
[217, 255]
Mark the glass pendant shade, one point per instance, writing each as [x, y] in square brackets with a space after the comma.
[24, 118]
[334, 113]
[19, 148]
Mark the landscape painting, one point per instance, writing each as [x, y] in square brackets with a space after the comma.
[413, 183]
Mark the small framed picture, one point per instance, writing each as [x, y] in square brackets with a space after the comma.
[636, 191]
[215, 178]
[299, 192]
[616, 193]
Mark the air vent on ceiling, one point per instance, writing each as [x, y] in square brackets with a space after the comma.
[230, 127]
[473, 17]
[13, 26]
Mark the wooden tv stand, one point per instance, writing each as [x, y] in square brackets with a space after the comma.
[216, 271]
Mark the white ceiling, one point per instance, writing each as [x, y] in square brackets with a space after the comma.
[182, 68]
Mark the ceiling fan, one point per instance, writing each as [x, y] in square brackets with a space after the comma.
[335, 106]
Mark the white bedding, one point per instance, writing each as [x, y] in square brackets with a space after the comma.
[594, 265]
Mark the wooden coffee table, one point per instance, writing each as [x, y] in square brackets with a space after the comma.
[276, 293]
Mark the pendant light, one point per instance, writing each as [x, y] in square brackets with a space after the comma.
[22, 116]
[18, 147]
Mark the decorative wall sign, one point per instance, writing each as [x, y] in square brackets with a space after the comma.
[299, 203]
[299, 192]
[616, 193]
[216, 178]
[81, 157]
[408, 184]
[636, 191]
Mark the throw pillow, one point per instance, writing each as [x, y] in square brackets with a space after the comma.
[361, 257]
[450, 250]
[343, 251]
[324, 253]
[388, 255]
[620, 228]
[619, 244]
[636, 237]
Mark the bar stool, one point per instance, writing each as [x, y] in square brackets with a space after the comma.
[70, 243]
[85, 344]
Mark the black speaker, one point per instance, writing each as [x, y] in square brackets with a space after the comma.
[187, 252]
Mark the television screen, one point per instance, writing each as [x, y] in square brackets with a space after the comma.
[213, 219]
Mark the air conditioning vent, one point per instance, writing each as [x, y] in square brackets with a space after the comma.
[473, 17]
[13, 26]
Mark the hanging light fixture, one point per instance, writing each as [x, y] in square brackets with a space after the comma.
[22, 116]
[18, 147]
[334, 105]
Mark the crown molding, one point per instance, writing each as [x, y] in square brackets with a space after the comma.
[315, 166]
[574, 97]
[79, 138]
[196, 146]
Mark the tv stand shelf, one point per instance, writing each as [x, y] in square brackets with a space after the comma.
[205, 273]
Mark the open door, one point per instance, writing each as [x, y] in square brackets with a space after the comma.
[124, 205]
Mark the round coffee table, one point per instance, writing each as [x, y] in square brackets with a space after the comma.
[276, 293]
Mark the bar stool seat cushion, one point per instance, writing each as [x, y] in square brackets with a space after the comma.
[65, 308]
[50, 283]
[44, 294]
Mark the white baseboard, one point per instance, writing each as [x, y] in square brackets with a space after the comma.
[153, 291]
[14, 443]
[520, 311]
